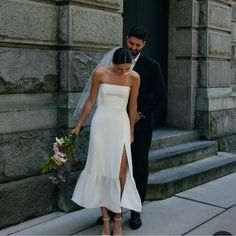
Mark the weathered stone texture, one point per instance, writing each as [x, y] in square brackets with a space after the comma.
[227, 144]
[234, 11]
[82, 65]
[63, 25]
[215, 101]
[17, 120]
[65, 191]
[213, 73]
[216, 124]
[28, 20]
[219, 16]
[182, 105]
[99, 27]
[186, 42]
[183, 43]
[233, 31]
[23, 100]
[214, 44]
[36, 194]
[184, 68]
[184, 18]
[219, 45]
[196, 13]
[116, 4]
[76, 69]
[233, 77]
[28, 70]
[233, 53]
[81, 149]
[22, 154]
[203, 13]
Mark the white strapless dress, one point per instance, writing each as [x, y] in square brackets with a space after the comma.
[98, 184]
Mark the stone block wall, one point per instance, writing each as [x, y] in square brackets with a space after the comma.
[216, 101]
[47, 51]
[183, 63]
[201, 71]
[29, 81]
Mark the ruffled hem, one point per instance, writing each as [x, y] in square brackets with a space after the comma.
[93, 191]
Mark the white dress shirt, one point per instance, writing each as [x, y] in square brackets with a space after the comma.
[134, 61]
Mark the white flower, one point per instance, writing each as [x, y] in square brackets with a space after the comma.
[59, 141]
[60, 158]
[58, 153]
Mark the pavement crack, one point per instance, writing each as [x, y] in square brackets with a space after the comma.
[205, 203]
[203, 223]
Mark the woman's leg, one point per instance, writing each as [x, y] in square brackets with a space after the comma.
[123, 170]
[122, 176]
[117, 224]
[106, 221]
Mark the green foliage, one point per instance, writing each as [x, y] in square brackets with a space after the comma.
[61, 152]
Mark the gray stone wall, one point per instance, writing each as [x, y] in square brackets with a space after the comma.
[216, 101]
[182, 66]
[47, 51]
[201, 78]
[233, 42]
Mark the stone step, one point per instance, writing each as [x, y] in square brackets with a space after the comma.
[165, 183]
[168, 137]
[181, 154]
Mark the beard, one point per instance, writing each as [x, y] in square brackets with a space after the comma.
[134, 53]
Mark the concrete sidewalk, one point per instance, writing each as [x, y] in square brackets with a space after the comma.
[203, 210]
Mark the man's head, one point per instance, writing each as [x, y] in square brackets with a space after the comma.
[136, 40]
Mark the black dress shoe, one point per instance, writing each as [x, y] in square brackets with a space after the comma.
[99, 220]
[135, 220]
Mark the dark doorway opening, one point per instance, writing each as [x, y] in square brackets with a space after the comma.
[153, 15]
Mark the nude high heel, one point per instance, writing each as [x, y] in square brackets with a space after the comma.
[118, 220]
[106, 220]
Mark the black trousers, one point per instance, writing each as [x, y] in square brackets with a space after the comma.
[140, 149]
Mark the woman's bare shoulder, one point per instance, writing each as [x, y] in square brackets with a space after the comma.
[134, 75]
[100, 71]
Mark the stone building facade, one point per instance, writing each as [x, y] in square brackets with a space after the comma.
[48, 48]
[202, 79]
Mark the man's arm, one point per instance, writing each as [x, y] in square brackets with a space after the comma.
[158, 91]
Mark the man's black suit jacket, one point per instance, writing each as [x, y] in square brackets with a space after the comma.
[152, 91]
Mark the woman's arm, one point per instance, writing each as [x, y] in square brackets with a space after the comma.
[133, 103]
[90, 101]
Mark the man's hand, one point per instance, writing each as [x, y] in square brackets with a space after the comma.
[137, 118]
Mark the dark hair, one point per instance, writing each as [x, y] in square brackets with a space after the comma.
[138, 32]
[122, 56]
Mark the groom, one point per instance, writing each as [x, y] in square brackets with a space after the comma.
[152, 93]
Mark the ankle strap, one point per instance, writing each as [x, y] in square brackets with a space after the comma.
[117, 219]
[106, 219]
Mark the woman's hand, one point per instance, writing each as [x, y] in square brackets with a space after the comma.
[76, 131]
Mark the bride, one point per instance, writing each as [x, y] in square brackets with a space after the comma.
[107, 179]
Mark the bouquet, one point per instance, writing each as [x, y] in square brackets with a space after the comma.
[62, 152]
